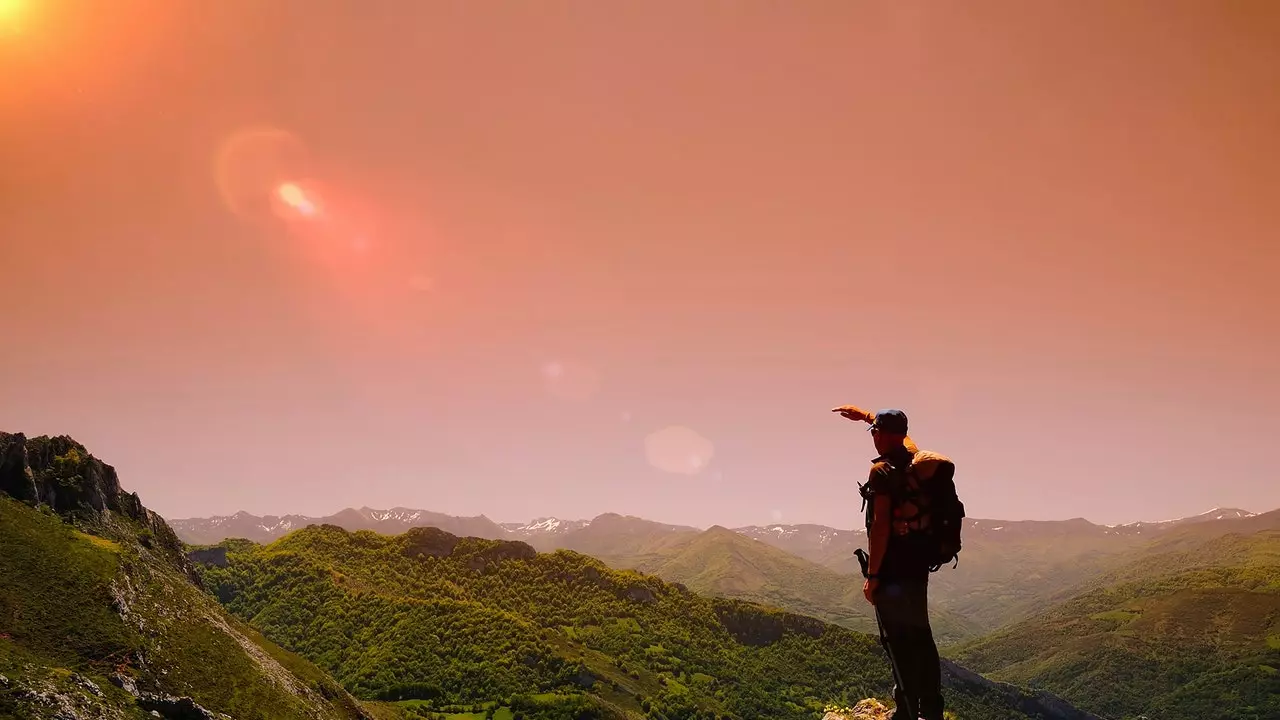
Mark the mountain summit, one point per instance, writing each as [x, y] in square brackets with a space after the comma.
[100, 617]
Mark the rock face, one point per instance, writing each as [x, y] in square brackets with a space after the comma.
[98, 582]
[60, 472]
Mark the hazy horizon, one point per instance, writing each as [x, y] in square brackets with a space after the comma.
[703, 526]
[557, 261]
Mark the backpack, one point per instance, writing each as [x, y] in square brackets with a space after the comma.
[929, 484]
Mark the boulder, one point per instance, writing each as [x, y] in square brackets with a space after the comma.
[868, 709]
[172, 707]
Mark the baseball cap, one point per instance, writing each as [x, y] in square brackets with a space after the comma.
[890, 420]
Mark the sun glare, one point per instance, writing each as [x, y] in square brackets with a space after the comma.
[11, 11]
[293, 196]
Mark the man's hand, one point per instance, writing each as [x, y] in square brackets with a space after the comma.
[853, 412]
[869, 590]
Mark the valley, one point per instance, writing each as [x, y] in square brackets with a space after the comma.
[617, 617]
[1008, 571]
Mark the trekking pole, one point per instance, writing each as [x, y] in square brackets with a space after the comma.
[863, 560]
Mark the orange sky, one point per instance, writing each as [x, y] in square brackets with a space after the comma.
[539, 233]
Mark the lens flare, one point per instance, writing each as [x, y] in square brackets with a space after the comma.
[678, 449]
[569, 380]
[295, 197]
[253, 166]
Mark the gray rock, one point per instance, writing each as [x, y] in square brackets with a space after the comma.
[171, 707]
[88, 685]
[124, 682]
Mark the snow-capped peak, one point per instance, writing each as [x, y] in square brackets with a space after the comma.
[546, 526]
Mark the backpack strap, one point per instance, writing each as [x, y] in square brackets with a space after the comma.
[909, 489]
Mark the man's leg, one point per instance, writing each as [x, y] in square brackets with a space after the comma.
[928, 669]
[895, 614]
[900, 698]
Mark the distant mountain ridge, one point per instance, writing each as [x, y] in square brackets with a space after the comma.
[264, 528]
[1008, 570]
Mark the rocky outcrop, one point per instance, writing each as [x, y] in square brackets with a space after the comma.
[171, 707]
[16, 478]
[148, 604]
[60, 473]
[868, 709]
[125, 683]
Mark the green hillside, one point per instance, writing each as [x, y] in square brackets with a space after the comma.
[99, 617]
[1011, 570]
[726, 563]
[435, 622]
[1180, 635]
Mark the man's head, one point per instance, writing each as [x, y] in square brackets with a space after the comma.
[889, 430]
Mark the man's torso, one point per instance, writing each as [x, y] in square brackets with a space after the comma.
[905, 559]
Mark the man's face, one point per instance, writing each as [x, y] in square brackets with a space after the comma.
[885, 441]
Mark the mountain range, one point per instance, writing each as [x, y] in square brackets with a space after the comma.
[104, 613]
[820, 543]
[1175, 619]
[1011, 568]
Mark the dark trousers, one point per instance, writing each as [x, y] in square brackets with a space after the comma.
[902, 609]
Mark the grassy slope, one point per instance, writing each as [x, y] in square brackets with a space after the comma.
[1011, 570]
[725, 563]
[401, 617]
[59, 588]
[1174, 636]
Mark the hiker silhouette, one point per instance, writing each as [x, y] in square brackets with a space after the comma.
[913, 521]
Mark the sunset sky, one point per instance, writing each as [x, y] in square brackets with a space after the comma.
[563, 258]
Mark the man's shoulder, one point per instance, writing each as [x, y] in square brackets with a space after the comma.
[881, 475]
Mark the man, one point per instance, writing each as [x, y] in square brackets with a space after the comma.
[897, 563]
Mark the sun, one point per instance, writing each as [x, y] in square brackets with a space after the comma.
[295, 197]
[11, 10]
[17, 18]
